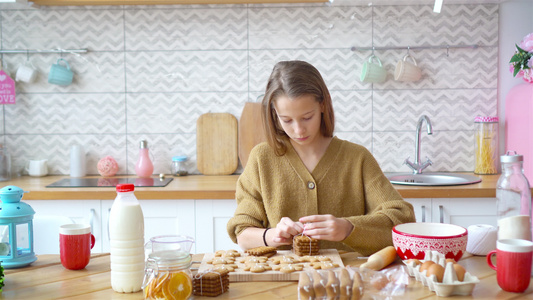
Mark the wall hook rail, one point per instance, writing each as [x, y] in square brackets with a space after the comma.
[447, 47]
[28, 51]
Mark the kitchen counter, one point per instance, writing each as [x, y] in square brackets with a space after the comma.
[47, 279]
[221, 187]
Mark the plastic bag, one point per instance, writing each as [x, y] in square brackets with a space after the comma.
[352, 283]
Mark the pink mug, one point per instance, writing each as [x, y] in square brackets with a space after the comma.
[75, 244]
[513, 264]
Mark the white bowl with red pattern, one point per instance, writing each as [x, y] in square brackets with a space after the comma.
[412, 240]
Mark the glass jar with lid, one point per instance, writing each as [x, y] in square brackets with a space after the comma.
[513, 198]
[178, 165]
[486, 145]
[167, 272]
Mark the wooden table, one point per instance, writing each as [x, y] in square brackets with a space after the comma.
[47, 279]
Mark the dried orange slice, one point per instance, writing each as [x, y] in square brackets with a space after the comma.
[179, 287]
[154, 289]
[149, 289]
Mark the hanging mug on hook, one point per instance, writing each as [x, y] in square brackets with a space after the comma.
[406, 71]
[60, 75]
[26, 72]
[373, 72]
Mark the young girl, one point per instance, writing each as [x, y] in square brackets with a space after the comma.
[306, 181]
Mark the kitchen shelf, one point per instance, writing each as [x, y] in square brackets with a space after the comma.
[162, 2]
[30, 51]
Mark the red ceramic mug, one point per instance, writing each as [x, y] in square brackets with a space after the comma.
[513, 264]
[75, 244]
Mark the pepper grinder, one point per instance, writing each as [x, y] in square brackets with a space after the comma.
[144, 166]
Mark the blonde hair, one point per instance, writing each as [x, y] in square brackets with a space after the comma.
[294, 79]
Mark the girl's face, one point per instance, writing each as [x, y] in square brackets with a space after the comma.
[300, 118]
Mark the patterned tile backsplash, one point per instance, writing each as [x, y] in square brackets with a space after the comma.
[151, 71]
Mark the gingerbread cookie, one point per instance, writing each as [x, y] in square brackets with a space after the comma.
[324, 265]
[221, 261]
[253, 259]
[257, 267]
[228, 267]
[227, 253]
[210, 283]
[303, 245]
[284, 260]
[262, 251]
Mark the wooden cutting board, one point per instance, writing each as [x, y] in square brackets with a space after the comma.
[251, 130]
[241, 275]
[216, 144]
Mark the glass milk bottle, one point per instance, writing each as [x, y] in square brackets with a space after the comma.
[513, 198]
[126, 234]
[144, 166]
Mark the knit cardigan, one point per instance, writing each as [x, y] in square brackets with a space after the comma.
[347, 182]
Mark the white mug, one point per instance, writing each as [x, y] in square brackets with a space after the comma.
[406, 71]
[37, 167]
[26, 73]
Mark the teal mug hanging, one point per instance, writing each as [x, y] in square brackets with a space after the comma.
[59, 74]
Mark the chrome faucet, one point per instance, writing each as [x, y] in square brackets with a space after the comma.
[417, 166]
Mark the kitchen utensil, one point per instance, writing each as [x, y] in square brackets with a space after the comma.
[75, 244]
[37, 167]
[216, 144]
[373, 72]
[251, 130]
[406, 71]
[513, 264]
[412, 240]
[60, 75]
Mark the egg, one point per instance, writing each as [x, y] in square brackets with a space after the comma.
[415, 261]
[450, 260]
[426, 265]
[437, 270]
[460, 271]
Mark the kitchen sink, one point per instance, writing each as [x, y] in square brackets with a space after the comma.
[432, 179]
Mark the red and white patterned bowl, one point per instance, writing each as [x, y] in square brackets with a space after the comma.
[412, 240]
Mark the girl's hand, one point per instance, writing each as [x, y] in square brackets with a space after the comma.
[326, 227]
[284, 231]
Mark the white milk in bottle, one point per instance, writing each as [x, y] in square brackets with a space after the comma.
[126, 233]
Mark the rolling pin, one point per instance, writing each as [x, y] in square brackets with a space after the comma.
[380, 259]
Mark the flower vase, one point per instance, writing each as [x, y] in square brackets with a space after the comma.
[519, 124]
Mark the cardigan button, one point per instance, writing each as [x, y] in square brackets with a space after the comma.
[310, 185]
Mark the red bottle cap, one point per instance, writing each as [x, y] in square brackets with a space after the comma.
[125, 187]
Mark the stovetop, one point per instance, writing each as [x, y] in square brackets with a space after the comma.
[109, 182]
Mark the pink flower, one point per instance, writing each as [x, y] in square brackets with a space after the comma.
[530, 63]
[527, 43]
[528, 75]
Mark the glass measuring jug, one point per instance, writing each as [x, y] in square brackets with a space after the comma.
[167, 272]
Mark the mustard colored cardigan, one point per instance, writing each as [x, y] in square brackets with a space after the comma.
[347, 183]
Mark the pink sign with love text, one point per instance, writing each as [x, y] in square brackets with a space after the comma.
[7, 89]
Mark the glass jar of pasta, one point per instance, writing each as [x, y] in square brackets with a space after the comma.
[487, 143]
